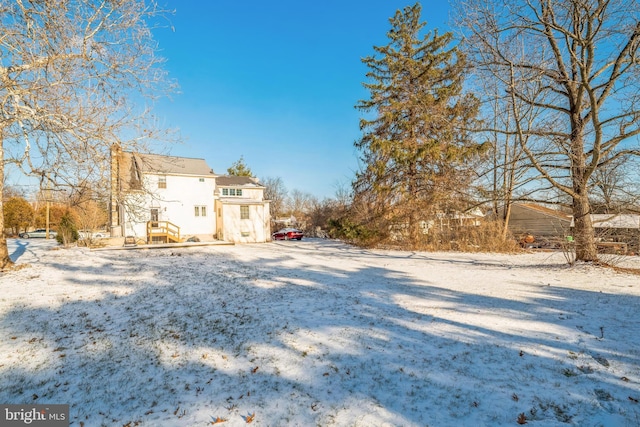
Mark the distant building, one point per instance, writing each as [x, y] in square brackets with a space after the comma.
[623, 228]
[160, 198]
[537, 220]
[540, 221]
[616, 221]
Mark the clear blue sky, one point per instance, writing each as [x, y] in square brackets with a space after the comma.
[275, 82]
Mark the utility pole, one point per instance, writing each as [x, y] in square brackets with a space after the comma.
[47, 195]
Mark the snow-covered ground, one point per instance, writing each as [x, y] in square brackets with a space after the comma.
[319, 333]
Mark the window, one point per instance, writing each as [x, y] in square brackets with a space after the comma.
[200, 210]
[162, 182]
[232, 192]
[201, 179]
[197, 210]
[244, 212]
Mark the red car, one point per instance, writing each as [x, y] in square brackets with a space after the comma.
[287, 234]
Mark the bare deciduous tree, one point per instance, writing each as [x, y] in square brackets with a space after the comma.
[276, 192]
[89, 216]
[299, 205]
[70, 72]
[575, 63]
[615, 187]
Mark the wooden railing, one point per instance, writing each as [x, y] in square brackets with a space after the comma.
[164, 231]
[612, 247]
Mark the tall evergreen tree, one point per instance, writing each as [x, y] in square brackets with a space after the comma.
[239, 168]
[414, 141]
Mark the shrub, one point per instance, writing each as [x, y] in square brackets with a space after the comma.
[67, 230]
[485, 237]
[359, 234]
[18, 214]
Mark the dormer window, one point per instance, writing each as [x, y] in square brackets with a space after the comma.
[234, 192]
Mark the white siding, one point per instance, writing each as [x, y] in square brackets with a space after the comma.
[253, 193]
[175, 203]
[255, 229]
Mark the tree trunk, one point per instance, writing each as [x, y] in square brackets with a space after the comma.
[5, 261]
[506, 218]
[583, 233]
[414, 236]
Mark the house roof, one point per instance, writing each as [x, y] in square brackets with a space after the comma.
[616, 221]
[599, 220]
[171, 165]
[546, 211]
[237, 181]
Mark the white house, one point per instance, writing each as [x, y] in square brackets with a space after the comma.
[159, 198]
[242, 213]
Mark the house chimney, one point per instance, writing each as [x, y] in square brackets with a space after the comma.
[114, 211]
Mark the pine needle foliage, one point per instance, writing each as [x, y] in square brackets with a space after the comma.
[416, 142]
[239, 168]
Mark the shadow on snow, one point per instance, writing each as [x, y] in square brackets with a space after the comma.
[176, 332]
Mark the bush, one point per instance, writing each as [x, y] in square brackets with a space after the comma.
[359, 234]
[67, 230]
[485, 237]
[18, 214]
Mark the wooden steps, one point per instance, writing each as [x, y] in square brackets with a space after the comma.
[163, 232]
